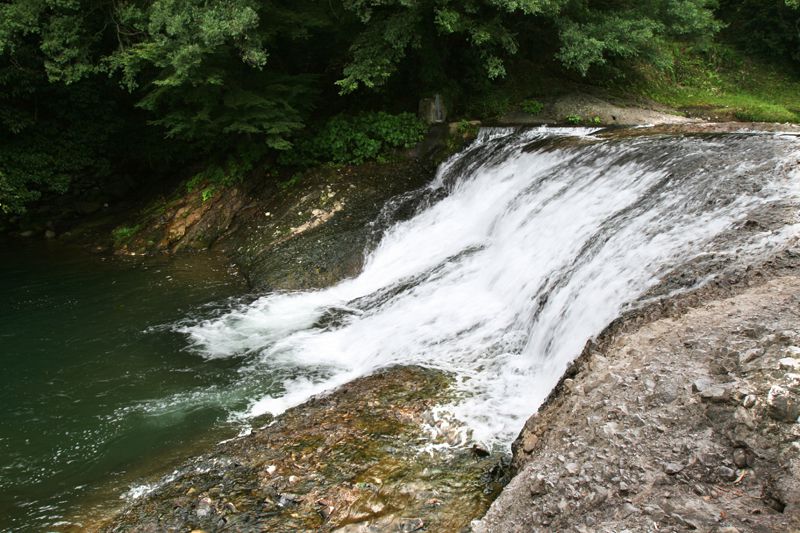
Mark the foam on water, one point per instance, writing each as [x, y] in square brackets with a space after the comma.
[525, 246]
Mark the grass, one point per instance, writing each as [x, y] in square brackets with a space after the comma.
[717, 82]
[722, 83]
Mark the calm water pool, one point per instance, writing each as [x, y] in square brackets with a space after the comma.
[96, 392]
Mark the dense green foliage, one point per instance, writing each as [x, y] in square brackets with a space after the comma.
[722, 83]
[95, 92]
[353, 139]
[770, 29]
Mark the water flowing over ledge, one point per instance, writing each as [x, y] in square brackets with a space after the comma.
[526, 245]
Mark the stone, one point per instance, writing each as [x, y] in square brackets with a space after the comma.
[204, 507]
[414, 524]
[49, 234]
[715, 393]
[750, 355]
[529, 442]
[783, 406]
[628, 509]
[749, 401]
[789, 363]
[598, 496]
[672, 468]
[538, 487]
[287, 499]
[432, 110]
[741, 458]
[728, 474]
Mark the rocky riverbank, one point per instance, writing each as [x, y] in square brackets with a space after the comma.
[363, 458]
[683, 416]
[307, 232]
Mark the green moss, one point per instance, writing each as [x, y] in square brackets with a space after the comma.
[208, 193]
[123, 234]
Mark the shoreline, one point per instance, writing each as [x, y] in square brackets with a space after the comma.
[681, 449]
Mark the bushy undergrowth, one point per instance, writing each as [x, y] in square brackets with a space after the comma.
[355, 139]
[720, 80]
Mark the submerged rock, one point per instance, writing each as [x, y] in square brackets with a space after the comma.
[353, 460]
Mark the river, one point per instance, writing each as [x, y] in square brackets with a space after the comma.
[92, 382]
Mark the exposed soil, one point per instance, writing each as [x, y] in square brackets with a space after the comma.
[585, 109]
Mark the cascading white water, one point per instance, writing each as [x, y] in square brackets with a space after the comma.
[525, 246]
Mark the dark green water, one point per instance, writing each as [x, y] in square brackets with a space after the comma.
[94, 394]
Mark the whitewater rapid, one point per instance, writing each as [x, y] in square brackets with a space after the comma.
[525, 245]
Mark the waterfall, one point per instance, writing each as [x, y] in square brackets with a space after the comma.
[525, 245]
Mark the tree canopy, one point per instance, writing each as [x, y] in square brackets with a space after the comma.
[87, 85]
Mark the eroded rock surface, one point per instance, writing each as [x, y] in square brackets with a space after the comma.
[353, 461]
[307, 232]
[685, 423]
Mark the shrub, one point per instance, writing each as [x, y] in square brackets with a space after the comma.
[533, 107]
[356, 139]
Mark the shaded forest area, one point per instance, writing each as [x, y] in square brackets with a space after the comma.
[99, 98]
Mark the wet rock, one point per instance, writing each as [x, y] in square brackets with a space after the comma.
[351, 460]
[480, 450]
[204, 508]
[415, 524]
[288, 499]
[432, 110]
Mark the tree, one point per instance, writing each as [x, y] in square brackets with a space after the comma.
[770, 28]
